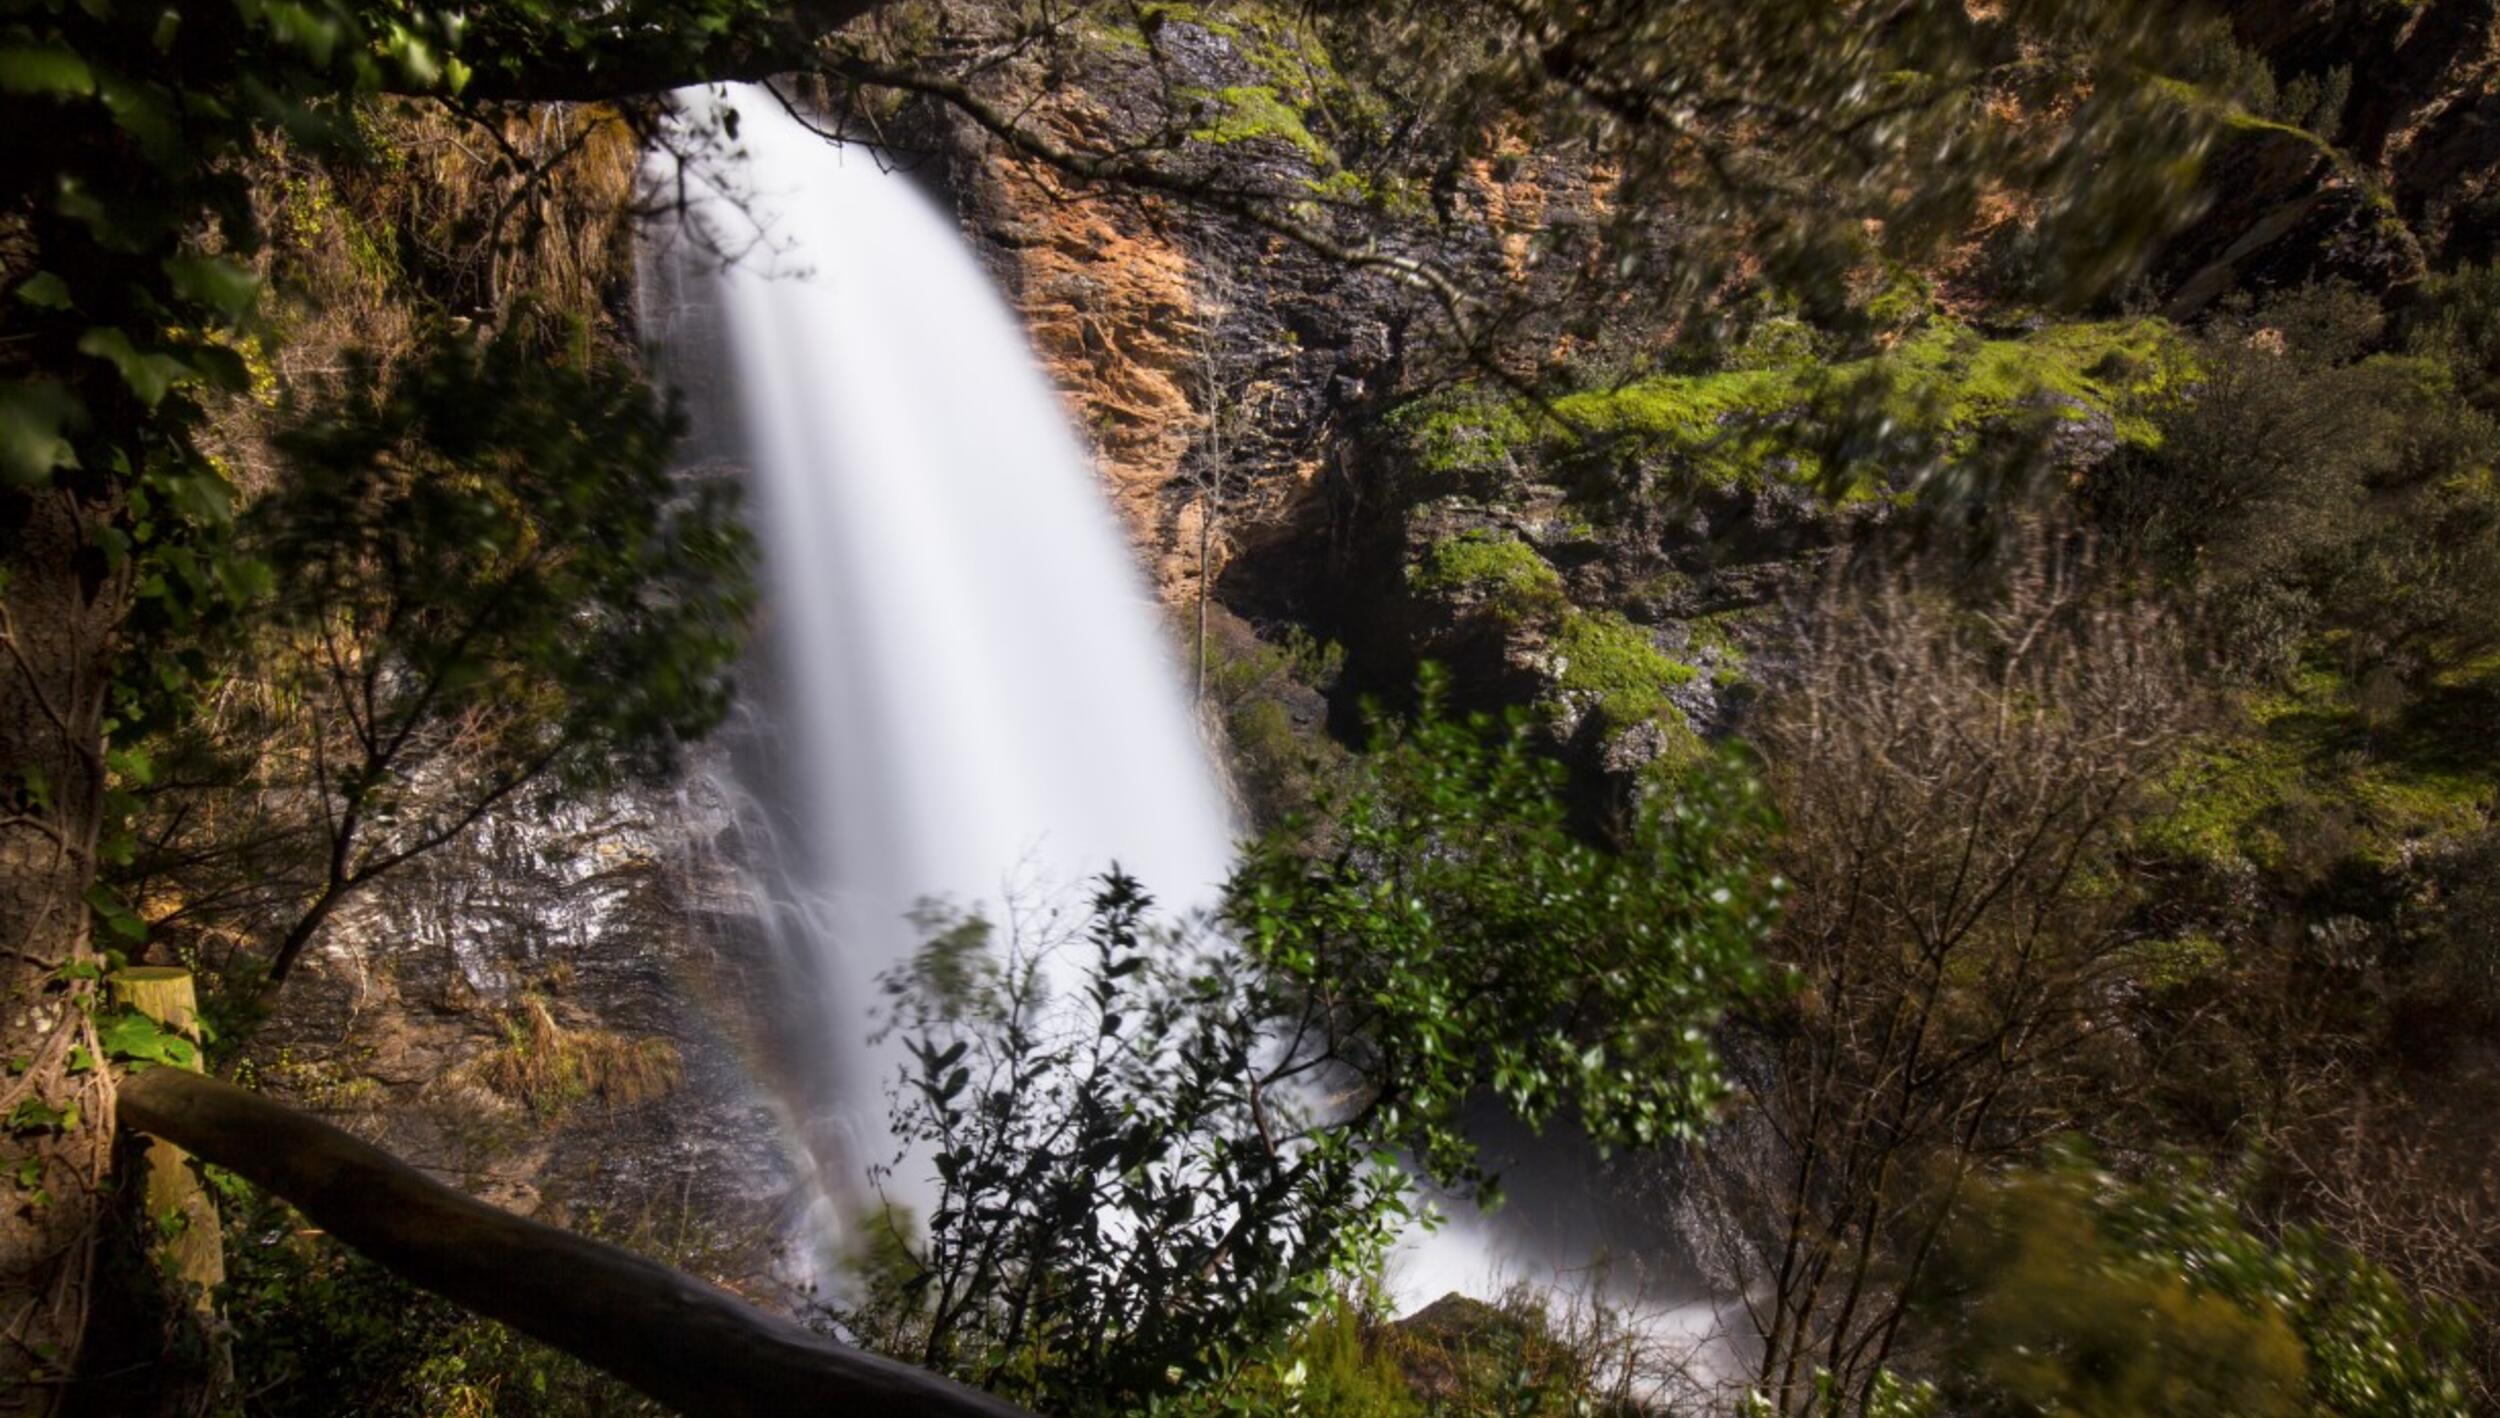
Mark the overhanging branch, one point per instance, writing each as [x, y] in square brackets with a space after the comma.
[681, 1341]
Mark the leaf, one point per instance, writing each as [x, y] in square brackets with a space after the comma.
[44, 291]
[224, 286]
[26, 69]
[120, 918]
[33, 419]
[134, 1038]
[150, 374]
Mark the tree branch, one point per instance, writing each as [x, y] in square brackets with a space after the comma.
[681, 1341]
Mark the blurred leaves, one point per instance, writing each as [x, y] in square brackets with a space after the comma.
[1463, 936]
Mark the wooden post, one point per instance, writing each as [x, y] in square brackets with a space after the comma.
[189, 1252]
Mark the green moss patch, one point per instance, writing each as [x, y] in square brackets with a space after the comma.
[1740, 428]
[2312, 762]
[1253, 112]
[1495, 568]
[1465, 436]
[1609, 663]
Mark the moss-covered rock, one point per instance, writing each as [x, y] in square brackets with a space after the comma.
[1466, 438]
[1746, 427]
[1245, 113]
[1491, 568]
[1605, 664]
[1946, 381]
[2313, 781]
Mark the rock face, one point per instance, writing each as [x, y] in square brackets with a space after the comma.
[551, 1015]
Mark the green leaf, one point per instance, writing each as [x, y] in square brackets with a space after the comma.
[28, 69]
[224, 286]
[151, 374]
[133, 1038]
[45, 291]
[33, 419]
[119, 918]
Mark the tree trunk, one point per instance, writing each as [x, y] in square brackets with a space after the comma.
[677, 1339]
[59, 611]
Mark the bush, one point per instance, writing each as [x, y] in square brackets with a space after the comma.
[2069, 1290]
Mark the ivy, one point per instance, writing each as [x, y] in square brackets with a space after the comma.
[133, 1039]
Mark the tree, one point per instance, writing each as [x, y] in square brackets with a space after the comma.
[1457, 937]
[1229, 406]
[1130, 1184]
[1954, 779]
[1176, 1159]
[121, 240]
[2319, 480]
[490, 584]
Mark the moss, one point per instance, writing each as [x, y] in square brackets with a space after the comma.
[1739, 427]
[549, 1068]
[2114, 368]
[1609, 664]
[1493, 567]
[1715, 647]
[2239, 119]
[1943, 386]
[1253, 112]
[1904, 301]
[1466, 435]
[2311, 771]
[2183, 960]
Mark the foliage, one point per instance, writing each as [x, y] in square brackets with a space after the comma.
[318, 1330]
[2312, 482]
[1270, 697]
[2071, 1291]
[1456, 1358]
[1340, 1363]
[1131, 1183]
[488, 529]
[1956, 754]
[2312, 777]
[1459, 935]
[548, 1068]
[491, 587]
[1153, 1177]
[1789, 138]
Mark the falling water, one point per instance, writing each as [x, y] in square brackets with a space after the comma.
[966, 693]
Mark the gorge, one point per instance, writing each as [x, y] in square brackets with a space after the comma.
[1845, 652]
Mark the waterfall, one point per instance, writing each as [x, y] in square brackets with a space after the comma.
[965, 689]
